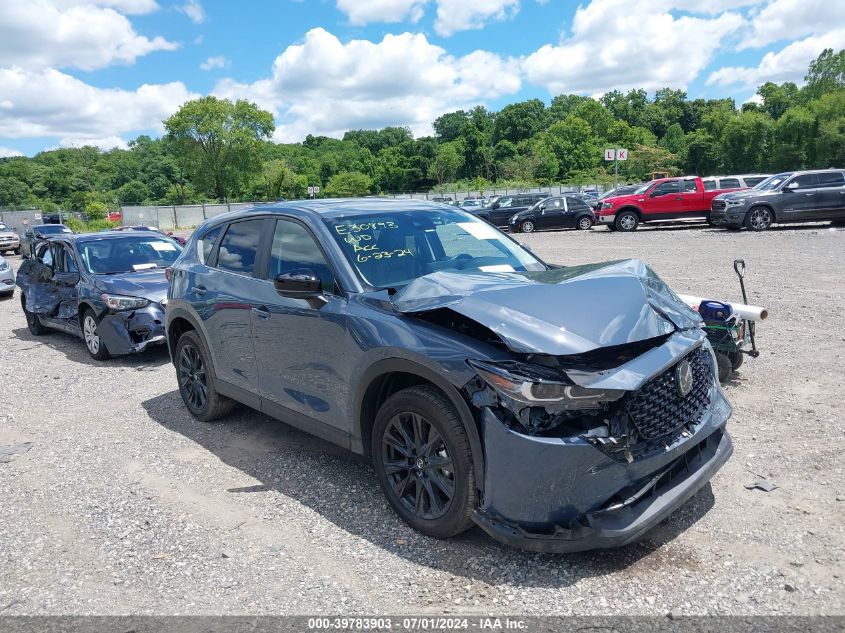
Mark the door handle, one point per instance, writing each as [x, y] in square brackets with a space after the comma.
[262, 312]
[678, 198]
[199, 290]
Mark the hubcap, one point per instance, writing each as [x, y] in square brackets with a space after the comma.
[89, 331]
[192, 378]
[527, 227]
[760, 219]
[627, 222]
[417, 464]
[585, 223]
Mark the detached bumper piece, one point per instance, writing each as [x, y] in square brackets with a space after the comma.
[132, 331]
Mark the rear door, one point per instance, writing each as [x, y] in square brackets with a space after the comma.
[300, 343]
[575, 210]
[225, 295]
[691, 200]
[802, 202]
[831, 194]
[65, 267]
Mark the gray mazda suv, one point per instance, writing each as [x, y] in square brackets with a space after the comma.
[559, 408]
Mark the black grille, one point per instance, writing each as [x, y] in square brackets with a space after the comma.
[658, 410]
[718, 205]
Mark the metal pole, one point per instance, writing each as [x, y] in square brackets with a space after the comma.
[615, 170]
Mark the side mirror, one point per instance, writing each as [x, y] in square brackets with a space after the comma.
[302, 283]
[654, 194]
[792, 186]
[66, 278]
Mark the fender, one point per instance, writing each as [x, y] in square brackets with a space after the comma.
[390, 365]
[181, 313]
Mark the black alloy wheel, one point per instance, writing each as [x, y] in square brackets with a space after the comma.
[196, 382]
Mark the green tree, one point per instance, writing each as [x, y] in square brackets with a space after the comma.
[826, 74]
[219, 141]
[133, 192]
[448, 126]
[447, 161]
[519, 121]
[573, 144]
[349, 184]
[792, 139]
[744, 142]
[13, 192]
[830, 132]
[96, 210]
[702, 153]
[777, 99]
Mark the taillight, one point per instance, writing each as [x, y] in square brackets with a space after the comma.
[168, 273]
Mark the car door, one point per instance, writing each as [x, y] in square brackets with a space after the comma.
[575, 209]
[225, 293]
[665, 200]
[503, 211]
[299, 343]
[552, 215]
[800, 199]
[831, 194]
[66, 283]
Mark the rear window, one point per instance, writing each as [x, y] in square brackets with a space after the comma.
[729, 183]
[831, 179]
[709, 185]
[239, 247]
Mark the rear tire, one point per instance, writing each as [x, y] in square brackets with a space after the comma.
[423, 462]
[96, 348]
[759, 219]
[195, 380]
[17, 251]
[627, 222]
[585, 223]
[33, 323]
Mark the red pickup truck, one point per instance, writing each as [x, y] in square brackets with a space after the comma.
[662, 199]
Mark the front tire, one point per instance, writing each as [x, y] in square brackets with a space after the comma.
[17, 251]
[526, 226]
[33, 323]
[627, 222]
[96, 348]
[585, 223]
[759, 219]
[195, 380]
[423, 462]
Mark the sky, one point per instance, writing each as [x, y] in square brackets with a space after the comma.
[102, 72]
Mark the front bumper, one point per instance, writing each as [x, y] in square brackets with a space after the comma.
[7, 281]
[550, 494]
[9, 245]
[729, 216]
[132, 331]
[605, 219]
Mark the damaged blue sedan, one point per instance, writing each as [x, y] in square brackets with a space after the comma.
[107, 288]
[558, 408]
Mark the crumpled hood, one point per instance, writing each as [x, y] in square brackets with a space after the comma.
[148, 284]
[561, 311]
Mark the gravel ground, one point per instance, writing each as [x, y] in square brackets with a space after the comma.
[127, 505]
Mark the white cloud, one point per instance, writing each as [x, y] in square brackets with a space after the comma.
[42, 33]
[619, 45]
[193, 9]
[51, 103]
[6, 152]
[793, 19]
[129, 7]
[105, 144]
[461, 15]
[788, 64]
[324, 86]
[218, 61]
[366, 11]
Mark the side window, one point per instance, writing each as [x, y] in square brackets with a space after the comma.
[65, 261]
[673, 186]
[45, 255]
[689, 186]
[239, 247]
[805, 181]
[729, 183]
[206, 243]
[753, 181]
[505, 203]
[576, 205]
[831, 179]
[293, 249]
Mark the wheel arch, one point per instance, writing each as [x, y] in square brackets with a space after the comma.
[766, 205]
[636, 210]
[391, 375]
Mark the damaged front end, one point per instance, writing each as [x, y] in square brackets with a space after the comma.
[604, 416]
[132, 331]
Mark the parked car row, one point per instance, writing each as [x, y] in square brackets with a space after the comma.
[485, 385]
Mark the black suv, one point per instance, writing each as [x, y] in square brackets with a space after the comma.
[558, 408]
[501, 211]
[799, 196]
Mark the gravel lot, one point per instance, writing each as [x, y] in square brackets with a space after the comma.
[126, 504]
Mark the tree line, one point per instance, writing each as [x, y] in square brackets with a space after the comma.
[214, 149]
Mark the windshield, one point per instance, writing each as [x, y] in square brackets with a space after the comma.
[772, 182]
[644, 188]
[52, 228]
[109, 256]
[392, 249]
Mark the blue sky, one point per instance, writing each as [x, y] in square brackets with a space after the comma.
[102, 72]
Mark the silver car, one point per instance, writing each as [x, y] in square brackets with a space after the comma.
[9, 240]
[7, 278]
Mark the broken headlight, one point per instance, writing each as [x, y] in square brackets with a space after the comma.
[538, 386]
[122, 302]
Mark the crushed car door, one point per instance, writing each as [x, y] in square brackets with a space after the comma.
[36, 281]
[65, 280]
